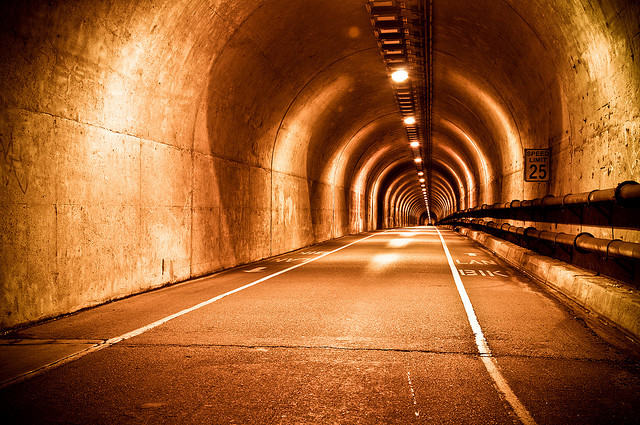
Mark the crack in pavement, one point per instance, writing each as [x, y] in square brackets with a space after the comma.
[471, 353]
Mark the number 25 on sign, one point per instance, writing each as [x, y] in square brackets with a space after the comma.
[536, 165]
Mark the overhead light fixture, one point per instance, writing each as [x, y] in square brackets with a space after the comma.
[414, 144]
[421, 180]
[420, 173]
[418, 160]
[409, 120]
[400, 76]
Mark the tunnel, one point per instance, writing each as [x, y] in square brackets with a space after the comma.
[151, 143]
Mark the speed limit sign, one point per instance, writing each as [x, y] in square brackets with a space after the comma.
[537, 163]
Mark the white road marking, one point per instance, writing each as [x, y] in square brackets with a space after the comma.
[286, 260]
[481, 262]
[226, 294]
[416, 411]
[256, 270]
[483, 348]
[485, 273]
[136, 332]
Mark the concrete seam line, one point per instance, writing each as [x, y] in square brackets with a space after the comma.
[483, 348]
[136, 332]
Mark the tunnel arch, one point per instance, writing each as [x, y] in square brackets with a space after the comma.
[173, 139]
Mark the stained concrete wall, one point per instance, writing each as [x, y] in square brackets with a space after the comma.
[516, 75]
[149, 142]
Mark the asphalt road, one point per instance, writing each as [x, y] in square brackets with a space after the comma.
[365, 329]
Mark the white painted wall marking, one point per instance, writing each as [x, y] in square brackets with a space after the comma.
[483, 348]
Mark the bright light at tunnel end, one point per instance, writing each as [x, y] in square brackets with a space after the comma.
[400, 76]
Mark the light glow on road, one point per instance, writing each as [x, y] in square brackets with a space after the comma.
[381, 261]
[385, 258]
[399, 243]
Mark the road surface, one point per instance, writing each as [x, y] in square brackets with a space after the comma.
[381, 327]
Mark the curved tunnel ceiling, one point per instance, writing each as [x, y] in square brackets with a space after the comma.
[146, 142]
[299, 89]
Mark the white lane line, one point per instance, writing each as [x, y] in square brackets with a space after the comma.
[483, 348]
[416, 411]
[136, 332]
[255, 270]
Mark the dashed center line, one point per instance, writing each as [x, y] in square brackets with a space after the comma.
[416, 411]
[254, 270]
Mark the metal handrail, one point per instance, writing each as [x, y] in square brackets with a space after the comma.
[624, 195]
[583, 242]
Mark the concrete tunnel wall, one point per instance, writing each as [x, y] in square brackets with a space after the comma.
[150, 142]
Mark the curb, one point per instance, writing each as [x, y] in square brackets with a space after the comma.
[609, 299]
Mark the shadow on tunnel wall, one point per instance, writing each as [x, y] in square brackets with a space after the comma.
[270, 133]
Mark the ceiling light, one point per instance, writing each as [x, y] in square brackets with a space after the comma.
[420, 173]
[409, 120]
[421, 180]
[415, 144]
[400, 76]
[418, 160]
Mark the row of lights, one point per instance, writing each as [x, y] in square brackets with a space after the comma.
[398, 77]
[401, 76]
[399, 29]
